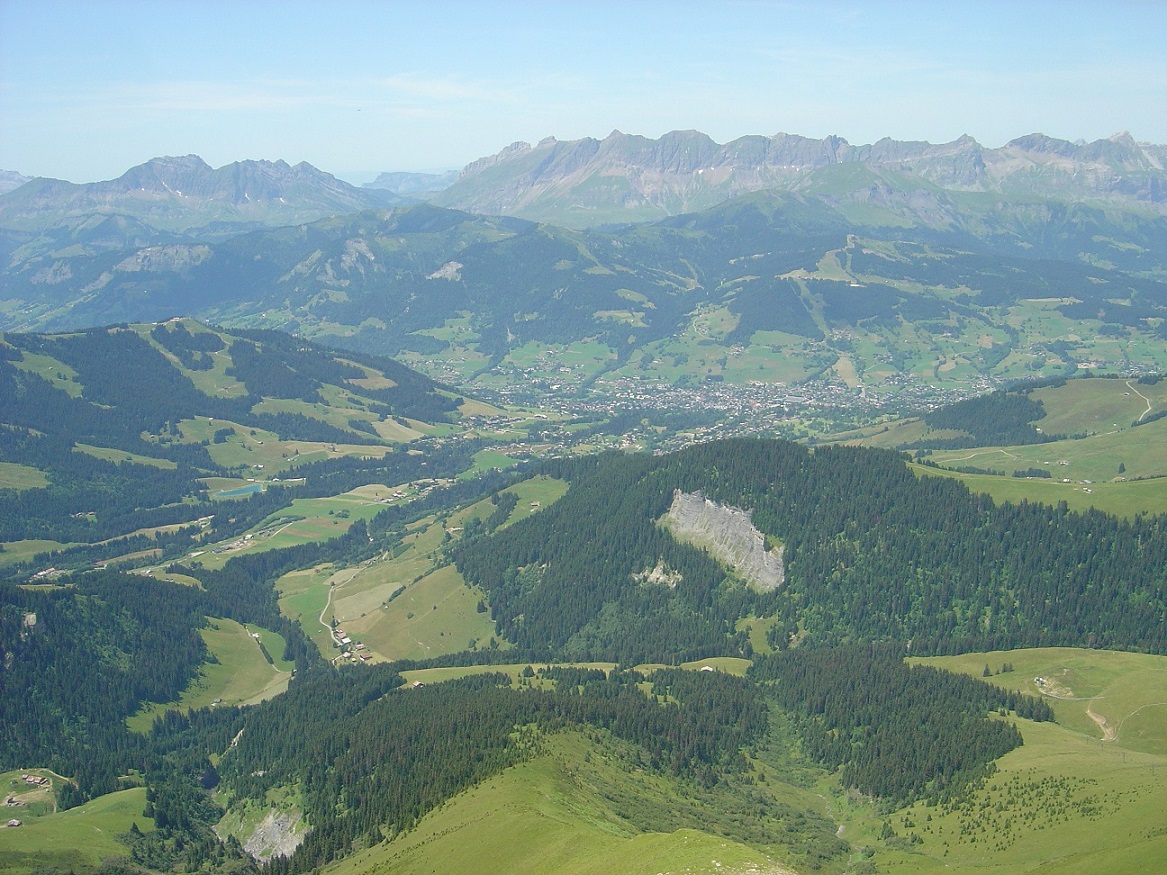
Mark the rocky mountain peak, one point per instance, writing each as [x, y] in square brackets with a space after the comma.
[627, 177]
[178, 193]
[10, 179]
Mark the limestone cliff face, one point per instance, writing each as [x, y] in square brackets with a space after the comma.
[729, 534]
[587, 182]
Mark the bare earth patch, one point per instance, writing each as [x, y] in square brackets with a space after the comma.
[278, 835]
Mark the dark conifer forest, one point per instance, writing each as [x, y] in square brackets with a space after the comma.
[879, 565]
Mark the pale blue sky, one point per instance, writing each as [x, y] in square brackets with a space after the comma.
[89, 89]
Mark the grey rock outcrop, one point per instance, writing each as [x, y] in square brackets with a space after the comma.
[729, 534]
[278, 835]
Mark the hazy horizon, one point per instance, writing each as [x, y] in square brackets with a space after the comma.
[88, 90]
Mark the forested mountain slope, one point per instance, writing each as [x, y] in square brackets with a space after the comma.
[769, 288]
[120, 440]
[879, 563]
[871, 553]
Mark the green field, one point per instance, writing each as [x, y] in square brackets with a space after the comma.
[262, 452]
[241, 676]
[302, 596]
[1126, 692]
[1096, 405]
[214, 381]
[1069, 800]
[120, 456]
[1124, 453]
[534, 495]
[431, 617]
[728, 664]
[487, 460]
[514, 670]
[21, 551]
[550, 814]
[15, 476]
[406, 604]
[1107, 462]
[1124, 499]
[56, 372]
[1082, 795]
[78, 839]
[304, 520]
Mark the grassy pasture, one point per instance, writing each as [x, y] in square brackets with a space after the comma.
[473, 407]
[1141, 451]
[241, 676]
[393, 431]
[258, 449]
[728, 664]
[302, 596]
[1068, 800]
[1126, 692]
[214, 381]
[1124, 499]
[22, 551]
[513, 670]
[305, 520]
[58, 373]
[1059, 800]
[380, 603]
[457, 364]
[487, 460]
[33, 801]
[534, 495]
[120, 456]
[405, 604]
[434, 616]
[16, 476]
[1098, 405]
[549, 814]
[565, 365]
[758, 628]
[77, 839]
[1115, 467]
[409, 605]
[337, 411]
[175, 577]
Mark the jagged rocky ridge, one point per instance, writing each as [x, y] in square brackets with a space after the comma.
[185, 194]
[584, 182]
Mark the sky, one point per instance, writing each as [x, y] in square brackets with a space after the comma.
[90, 89]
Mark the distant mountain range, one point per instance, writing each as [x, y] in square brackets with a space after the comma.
[889, 264]
[413, 184]
[10, 179]
[621, 178]
[186, 195]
